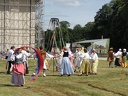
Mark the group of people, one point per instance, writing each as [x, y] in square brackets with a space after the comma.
[17, 64]
[117, 59]
[67, 63]
[82, 61]
[86, 62]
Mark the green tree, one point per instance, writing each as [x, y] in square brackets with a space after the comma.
[64, 24]
[77, 32]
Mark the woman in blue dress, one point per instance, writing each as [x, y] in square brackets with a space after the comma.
[66, 66]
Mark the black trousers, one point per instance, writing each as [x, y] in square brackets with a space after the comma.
[27, 71]
[9, 66]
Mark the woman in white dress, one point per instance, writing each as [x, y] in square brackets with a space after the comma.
[77, 59]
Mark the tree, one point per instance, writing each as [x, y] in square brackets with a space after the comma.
[87, 29]
[77, 32]
[64, 24]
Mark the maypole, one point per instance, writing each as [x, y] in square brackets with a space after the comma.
[55, 38]
[55, 23]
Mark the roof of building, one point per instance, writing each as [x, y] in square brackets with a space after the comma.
[101, 42]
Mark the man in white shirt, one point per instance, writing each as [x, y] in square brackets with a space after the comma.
[9, 54]
[118, 59]
[26, 55]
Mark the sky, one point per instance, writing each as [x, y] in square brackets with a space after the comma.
[74, 11]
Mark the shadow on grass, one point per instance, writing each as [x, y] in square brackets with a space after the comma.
[10, 85]
[6, 85]
[126, 74]
[2, 72]
[53, 75]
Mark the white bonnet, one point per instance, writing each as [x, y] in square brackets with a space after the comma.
[124, 50]
[120, 49]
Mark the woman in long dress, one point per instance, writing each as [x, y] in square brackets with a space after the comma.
[66, 66]
[94, 58]
[85, 66]
[124, 58]
[77, 59]
[18, 69]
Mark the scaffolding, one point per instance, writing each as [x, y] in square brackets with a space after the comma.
[21, 23]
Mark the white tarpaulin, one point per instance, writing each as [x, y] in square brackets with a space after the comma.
[97, 43]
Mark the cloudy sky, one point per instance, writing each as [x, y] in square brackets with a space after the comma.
[74, 11]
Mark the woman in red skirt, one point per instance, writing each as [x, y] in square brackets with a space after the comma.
[18, 69]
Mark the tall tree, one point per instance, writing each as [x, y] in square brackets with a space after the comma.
[64, 24]
[77, 32]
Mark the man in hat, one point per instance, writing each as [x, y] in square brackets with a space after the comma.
[110, 58]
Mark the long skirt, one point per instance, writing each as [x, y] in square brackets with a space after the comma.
[90, 61]
[94, 66]
[58, 63]
[117, 63]
[111, 64]
[124, 64]
[18, 74]
[85, 67]
[66, 67]
[77, 62]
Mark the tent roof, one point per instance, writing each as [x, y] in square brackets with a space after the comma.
[76, 45]
[96, 41]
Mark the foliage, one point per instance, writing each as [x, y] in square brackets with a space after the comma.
[111, 21]
[64, 24]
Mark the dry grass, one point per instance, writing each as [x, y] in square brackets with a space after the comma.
[108, 82]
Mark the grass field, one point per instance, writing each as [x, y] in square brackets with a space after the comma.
[108, 82]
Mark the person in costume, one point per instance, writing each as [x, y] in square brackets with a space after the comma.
[66, 67]
[90, 60]
[18, 68]
[71, 57]
[110, 58]
[44, 55]
[124, 58]
[58, 61]
[94, 58]
[118, 59]
[9, 54]
[85, 66]
[26, 55]
[82, 49]
[77, 59]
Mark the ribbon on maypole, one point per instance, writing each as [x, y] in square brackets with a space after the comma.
[40, 62]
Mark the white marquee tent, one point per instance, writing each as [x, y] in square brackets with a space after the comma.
[101, 45]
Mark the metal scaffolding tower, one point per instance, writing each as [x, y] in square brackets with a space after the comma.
[21, 23]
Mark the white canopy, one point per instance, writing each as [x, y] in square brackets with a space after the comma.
[97, 43]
